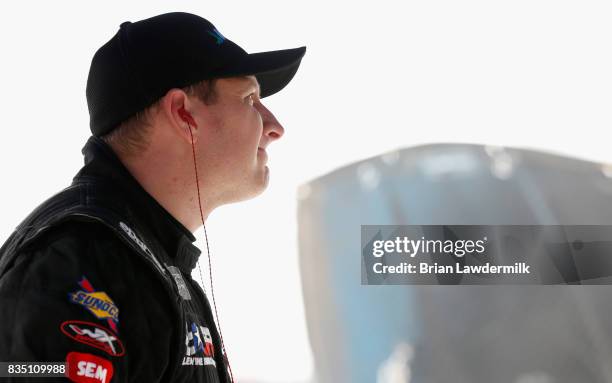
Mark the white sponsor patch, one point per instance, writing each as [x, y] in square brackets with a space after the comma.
[200, 350]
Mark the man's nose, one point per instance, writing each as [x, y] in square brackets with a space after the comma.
[271, 127]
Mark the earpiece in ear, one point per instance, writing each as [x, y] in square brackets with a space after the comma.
[186, 117]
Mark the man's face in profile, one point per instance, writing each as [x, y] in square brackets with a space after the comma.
[237, 130]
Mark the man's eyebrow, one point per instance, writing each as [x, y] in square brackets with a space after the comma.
[252, 81]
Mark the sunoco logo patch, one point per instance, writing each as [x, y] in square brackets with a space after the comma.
[97, 302]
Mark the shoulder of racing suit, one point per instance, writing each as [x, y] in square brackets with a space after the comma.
[76, 285]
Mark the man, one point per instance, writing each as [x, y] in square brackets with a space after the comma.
[99, 276]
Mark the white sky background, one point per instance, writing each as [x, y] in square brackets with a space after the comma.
[377, 76]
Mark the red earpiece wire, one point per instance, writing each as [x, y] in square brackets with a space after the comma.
[186, 116]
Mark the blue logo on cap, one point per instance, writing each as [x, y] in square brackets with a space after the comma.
[217, 35]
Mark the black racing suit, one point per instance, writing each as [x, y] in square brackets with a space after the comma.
[99, 275]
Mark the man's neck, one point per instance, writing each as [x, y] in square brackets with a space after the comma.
[174, 193]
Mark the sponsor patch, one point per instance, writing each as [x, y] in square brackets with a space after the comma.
[88, 368]
[97, 302]
[132, 235]
[200, 350]
[93, 335]
[180, 282]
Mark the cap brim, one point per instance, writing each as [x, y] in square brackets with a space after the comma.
[273, 70]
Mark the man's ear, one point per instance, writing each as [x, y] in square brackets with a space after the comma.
[176, 106]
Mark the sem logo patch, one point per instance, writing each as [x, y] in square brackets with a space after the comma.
[93, 335]
[88, 368]
[97, 302]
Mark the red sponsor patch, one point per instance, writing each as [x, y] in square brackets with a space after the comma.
[87, 368]
[93, 335]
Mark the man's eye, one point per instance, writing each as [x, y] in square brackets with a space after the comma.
[251, 99]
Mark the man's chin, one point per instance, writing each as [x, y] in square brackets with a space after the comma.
[257, 187]
[266, 177]
[263, 181]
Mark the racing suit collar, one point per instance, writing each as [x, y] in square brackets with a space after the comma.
[102, 162]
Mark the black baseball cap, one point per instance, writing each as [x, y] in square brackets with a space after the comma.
[145, 59]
